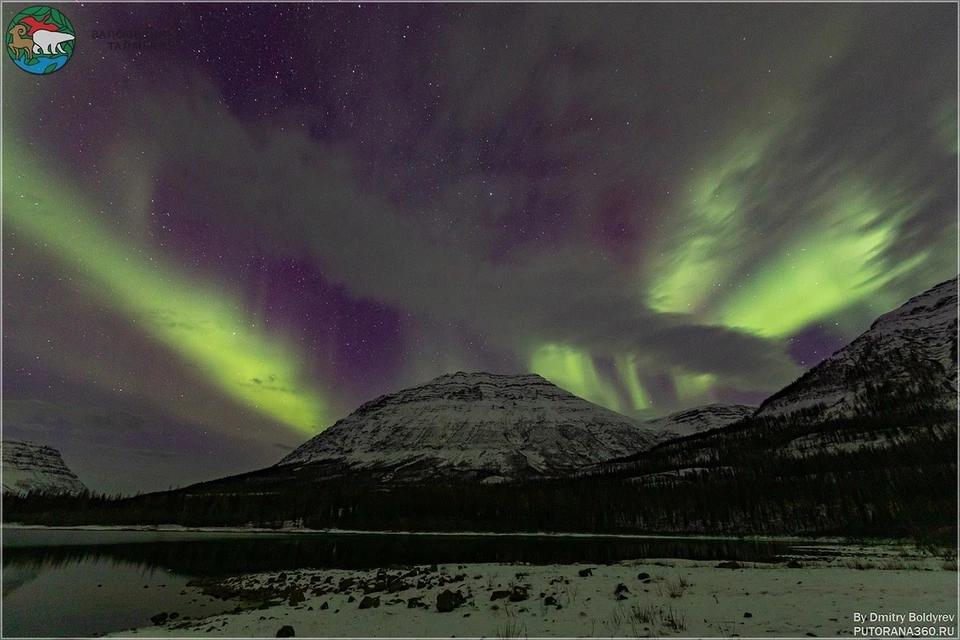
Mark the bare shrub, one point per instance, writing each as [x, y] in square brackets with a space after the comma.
[512, 628]
[674, 619]
[675, 588]
[645, 614]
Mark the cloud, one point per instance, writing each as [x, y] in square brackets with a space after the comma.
[567, 293]
[114, 450]
[687, 184]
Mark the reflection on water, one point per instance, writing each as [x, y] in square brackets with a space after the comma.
[81, 598]
[81, 583]
[17, 575]
[213, 554]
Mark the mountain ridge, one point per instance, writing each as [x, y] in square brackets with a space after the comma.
[699, 419]
[491, 426]
[29, 467]
[910, 350]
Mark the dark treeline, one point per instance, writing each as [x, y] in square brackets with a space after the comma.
[758, 477]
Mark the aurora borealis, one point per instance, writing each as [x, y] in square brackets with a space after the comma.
[215, 248]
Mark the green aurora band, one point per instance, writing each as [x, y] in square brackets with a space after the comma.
[574, 370]
[835, 262]
[198, 322]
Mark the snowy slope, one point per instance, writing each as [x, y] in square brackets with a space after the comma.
[911, 350]
[699, 419]
[29, 467]
[491, 427]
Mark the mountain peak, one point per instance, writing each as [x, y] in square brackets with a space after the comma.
[482, 377]
[699, 419]
[30, 467]
[478, 424]
[911, 350]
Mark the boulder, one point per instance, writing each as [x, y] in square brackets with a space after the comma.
[370, 603]
[729, 565]
[324, 606]
[447, 601]
[286, 631]
[643, 576]
[160, 618]
[498, 595]
[374, 587]
[793, 564]
[518, 594]
[585, 572]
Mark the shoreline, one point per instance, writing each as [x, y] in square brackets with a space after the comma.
[827, 540]
[637, 598]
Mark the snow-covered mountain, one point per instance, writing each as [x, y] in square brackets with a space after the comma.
[910, 352]
[478, 425]
[699, 419]
[29, 467]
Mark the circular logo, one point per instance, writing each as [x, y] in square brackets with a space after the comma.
[40, 40]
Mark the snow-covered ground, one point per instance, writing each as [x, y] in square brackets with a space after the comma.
[661, 598]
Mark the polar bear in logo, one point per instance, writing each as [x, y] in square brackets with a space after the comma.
[49, 42]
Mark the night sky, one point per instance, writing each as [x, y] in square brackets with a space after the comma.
[215, 248]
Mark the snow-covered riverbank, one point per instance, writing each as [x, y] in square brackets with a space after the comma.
[638, 598]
